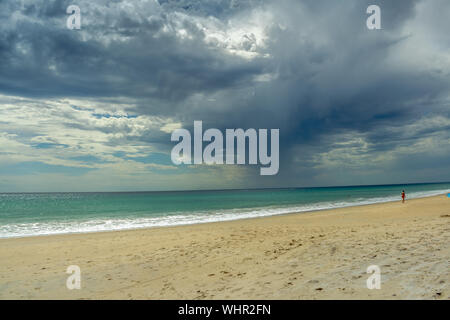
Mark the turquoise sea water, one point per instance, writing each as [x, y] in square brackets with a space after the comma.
[28, 214]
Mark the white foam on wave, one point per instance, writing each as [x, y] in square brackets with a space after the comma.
[114, 224]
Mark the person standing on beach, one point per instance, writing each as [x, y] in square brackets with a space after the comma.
[403, 196]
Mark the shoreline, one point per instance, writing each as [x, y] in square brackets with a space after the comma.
[220, 221]
[312, 255]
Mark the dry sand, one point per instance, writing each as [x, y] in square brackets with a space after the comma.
[318, 255]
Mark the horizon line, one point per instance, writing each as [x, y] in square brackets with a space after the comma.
[231, 189]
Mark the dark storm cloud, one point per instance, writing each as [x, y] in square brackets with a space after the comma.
[138, 65]
[216, 8]
[320, 74]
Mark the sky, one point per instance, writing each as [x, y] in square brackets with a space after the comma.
[93, 109]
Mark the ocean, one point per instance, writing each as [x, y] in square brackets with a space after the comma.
[31, 214]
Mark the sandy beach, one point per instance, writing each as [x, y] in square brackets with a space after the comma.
[316, 255]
